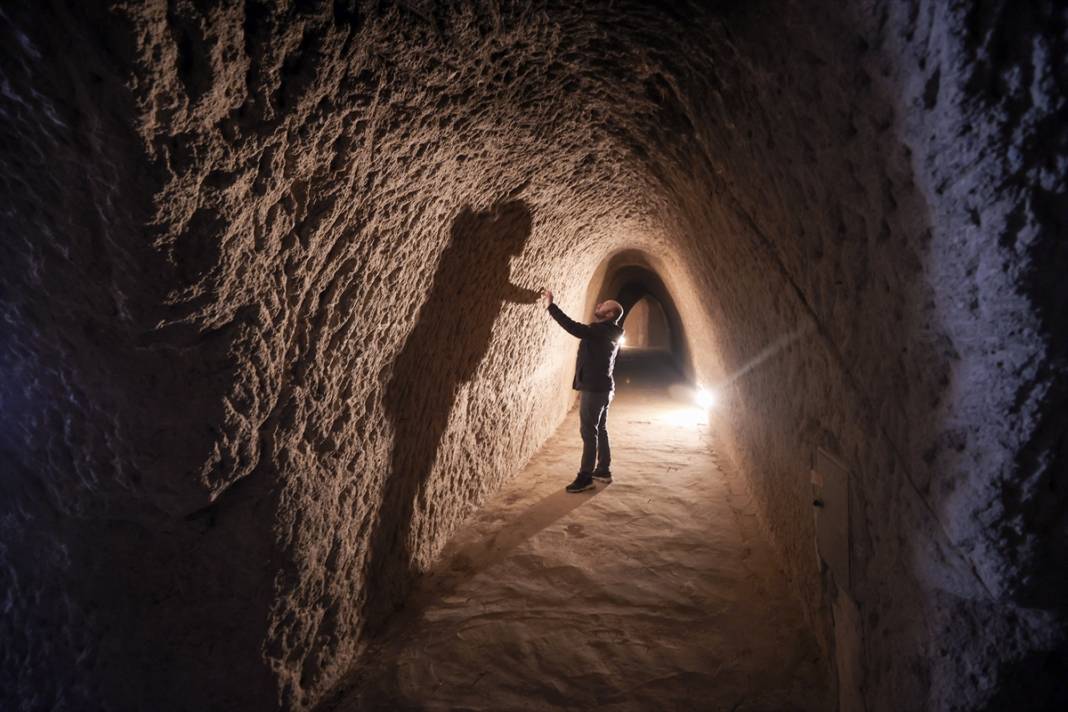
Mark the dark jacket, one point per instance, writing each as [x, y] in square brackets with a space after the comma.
[597, 351]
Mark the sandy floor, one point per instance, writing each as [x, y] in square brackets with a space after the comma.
[656, 592]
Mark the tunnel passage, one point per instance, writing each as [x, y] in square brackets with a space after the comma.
[631, 277]
[231, 229]
[647, 326]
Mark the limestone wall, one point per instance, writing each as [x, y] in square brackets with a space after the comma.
[268, 332]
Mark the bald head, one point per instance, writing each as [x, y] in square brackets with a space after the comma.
[608, 310]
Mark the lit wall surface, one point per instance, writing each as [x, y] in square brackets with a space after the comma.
[267, 330]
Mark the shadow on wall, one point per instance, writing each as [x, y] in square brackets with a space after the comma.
[443, 351]
[378, 688]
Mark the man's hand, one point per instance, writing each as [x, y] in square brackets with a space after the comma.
[546, 297]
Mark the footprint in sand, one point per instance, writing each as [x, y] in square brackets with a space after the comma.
[575, 530]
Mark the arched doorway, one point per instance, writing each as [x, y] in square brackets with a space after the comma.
[651, 318]
[647, 326]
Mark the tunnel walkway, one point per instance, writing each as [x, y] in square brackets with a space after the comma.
[656, 592]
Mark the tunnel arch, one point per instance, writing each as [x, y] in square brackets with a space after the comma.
[630, 274]
[646, 325]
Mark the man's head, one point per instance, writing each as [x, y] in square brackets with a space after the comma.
[608, 310]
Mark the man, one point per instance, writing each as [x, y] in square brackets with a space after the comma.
[593, 379]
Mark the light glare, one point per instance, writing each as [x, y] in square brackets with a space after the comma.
[705, 398]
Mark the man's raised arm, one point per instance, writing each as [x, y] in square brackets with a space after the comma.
[579, 331]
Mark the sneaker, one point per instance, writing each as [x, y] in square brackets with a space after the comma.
[602, 475]
[583, 481]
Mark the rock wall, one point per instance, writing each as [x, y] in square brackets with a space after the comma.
[879, 265]
[268, 331]
[985, 91]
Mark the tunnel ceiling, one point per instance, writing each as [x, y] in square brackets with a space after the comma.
[247, 244]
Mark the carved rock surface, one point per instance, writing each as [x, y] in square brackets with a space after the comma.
[267, 331]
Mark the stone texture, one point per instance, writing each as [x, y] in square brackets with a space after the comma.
[245, 244]
[612, 600]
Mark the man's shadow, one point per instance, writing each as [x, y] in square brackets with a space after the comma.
[450, 338]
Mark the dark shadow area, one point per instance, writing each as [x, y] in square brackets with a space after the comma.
[482, 555]
[646, 369]
[443, 351]
[1034, 682]
[467, 562]
[378, 692]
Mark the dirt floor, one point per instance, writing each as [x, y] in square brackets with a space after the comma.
[655, 592]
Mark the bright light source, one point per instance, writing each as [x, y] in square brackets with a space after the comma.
[705, 398]
[622, 340]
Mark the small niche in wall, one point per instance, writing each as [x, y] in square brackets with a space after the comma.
[830, 486]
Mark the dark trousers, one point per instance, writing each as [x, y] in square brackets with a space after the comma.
[593, 416]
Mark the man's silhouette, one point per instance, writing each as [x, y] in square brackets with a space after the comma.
[450, 338]
[593, 378]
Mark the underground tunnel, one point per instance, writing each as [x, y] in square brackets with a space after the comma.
[285, 425]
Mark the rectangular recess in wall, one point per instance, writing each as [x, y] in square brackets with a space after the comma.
[831, 478]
